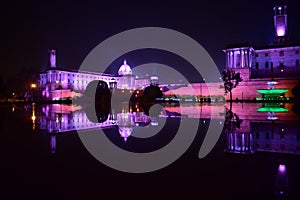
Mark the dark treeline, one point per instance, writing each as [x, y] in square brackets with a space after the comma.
[19, 84]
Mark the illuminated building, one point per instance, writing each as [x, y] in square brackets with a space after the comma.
[255, 64]
[57, 83]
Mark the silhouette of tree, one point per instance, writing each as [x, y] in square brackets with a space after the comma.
[231, 80]
[232, 121]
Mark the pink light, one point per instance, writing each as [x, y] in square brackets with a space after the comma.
[280, 31]
[282, 168]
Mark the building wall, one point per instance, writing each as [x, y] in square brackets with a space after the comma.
[286, 56]
[57, 84]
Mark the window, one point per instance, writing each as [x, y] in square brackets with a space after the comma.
[267, 64]
[281, 53]
[281, 63]
[271, 64]
[297, 62]
[256, 55]
[256, 65]
[297, 52]
[267, 135]
[266, 54]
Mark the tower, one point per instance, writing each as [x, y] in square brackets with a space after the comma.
[280, 23]
[52, 60]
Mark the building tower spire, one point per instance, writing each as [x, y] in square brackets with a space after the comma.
[280, 23]
[52, 60]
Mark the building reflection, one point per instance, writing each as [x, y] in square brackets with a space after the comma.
[60, 118]
[274, 130]
[281, 182]
[270, 128]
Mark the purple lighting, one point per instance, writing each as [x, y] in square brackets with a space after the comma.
[125, 69]
[280, 31]
[282, 168]
[52, 58]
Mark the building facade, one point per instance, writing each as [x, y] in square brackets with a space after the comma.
[57, 83]
[258, 65]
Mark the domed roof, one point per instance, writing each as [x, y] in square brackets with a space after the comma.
[125, 69]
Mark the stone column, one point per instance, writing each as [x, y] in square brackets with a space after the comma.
[242, 58]
[232, 59]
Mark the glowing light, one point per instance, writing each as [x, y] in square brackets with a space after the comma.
[33, 85]
[273, 91]
[280, 32]
[279, 8]
[33, 118]
[272, 82]
[272, 109]
[282, 168]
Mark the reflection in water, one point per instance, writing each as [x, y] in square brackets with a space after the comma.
[265, 133]
[57, 118]
[281, 182]
[277, 132]
[33, 116]
[247, 129]
[53, 144]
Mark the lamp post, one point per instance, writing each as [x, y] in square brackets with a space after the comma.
[33, 86]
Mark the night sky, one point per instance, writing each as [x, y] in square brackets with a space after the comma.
[74, 28]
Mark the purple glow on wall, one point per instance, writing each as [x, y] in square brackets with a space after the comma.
[282, 169]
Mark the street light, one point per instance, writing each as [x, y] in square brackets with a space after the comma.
[33, 86]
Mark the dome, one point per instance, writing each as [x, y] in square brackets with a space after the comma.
[125, 69]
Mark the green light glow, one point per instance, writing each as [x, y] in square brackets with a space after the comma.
[272, 91]
[272, 109]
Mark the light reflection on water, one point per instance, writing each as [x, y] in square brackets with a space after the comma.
[247, 132]
[247, 129]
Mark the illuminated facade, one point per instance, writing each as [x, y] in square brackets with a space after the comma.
[257, 65]
[56, 83]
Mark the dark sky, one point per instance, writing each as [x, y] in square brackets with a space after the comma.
[74, 28]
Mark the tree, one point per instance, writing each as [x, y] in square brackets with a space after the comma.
[232, 121]
[231, 80]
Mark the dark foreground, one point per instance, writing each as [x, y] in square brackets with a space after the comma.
[29, 170]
